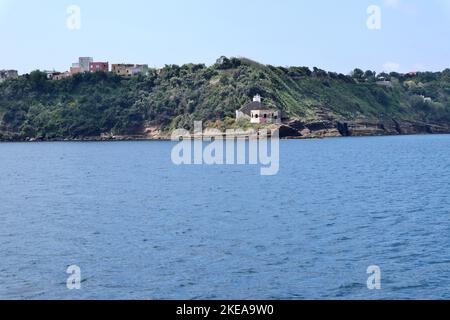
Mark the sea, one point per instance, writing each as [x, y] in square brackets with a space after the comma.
[341, 215]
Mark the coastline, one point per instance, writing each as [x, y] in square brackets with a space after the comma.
[293, 130]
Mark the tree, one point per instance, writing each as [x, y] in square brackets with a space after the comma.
[223, 63]
[370, 75]
[357, 74]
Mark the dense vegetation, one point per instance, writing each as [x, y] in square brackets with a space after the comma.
[175, 96]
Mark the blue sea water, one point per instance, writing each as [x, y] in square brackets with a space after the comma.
[140, 227]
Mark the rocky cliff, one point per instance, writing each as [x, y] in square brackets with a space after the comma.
[323, 129]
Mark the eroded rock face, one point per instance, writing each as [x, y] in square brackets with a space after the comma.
[436, 129]
[393, 127]
[319, 129]
[367, 128]
[410, 127]
[155, 133]
[322, 129]
[289, 132]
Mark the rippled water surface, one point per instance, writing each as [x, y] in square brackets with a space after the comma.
[140, 227]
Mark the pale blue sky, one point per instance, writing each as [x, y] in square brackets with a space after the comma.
[329, 34]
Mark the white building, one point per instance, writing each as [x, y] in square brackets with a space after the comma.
[84, 63]
[426, 99]
[258, 113]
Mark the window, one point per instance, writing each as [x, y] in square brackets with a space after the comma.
[256, 116]
[265, 116]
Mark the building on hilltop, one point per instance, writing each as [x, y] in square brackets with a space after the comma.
[258, 113]
[84, 63]
[55, 75]
[128, 70]
[121, 69]
[139, 69]
[61, 76]
[99, 67]
[8, 74]
[75, 68]
[87, 64]
[51, 74]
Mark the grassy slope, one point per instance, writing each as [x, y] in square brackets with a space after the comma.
[91, 104]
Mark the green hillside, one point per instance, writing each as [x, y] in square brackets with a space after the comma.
[88, 105]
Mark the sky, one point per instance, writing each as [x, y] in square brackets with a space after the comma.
[408, 35]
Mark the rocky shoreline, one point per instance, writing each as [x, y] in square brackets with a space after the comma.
[293, 130]
[325, 129]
